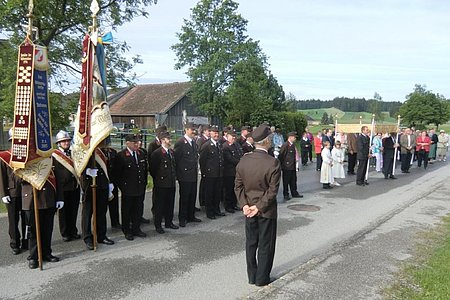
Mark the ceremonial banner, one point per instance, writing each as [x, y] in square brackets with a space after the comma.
[31, 137]
[93, 122]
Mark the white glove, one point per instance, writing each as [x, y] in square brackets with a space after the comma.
[296, 166]
[91, 172]
[59, 204]
[6, 199]
[110, 194]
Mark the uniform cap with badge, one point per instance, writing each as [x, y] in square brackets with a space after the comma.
[260, 133]
[131, 138]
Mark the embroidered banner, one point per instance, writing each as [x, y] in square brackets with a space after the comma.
[93, 122]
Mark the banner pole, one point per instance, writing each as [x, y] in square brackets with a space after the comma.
[370, 145]
[37, 227]
[396, 142]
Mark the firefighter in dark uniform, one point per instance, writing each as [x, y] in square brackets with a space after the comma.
[131, 174]
[211, 165]
[103, 191]
[257, 182]
[232, 153]
[65, 172]
[248, 145]
[245, 130]
[113, 204]
[147, 161]
[186, 159]
[48, 201]
[11, 195]
[163, 171]
[287, 157]
[200, 141]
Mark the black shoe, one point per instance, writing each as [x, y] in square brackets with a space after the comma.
[366, 183]
[198, 209]
[24, 246]
[194, 220]
[183, 223]
[220, 214]
[160, 230]
[392, 177]
[262, 283]
[230, 210]
[287, 198]
[172, 226]
[106, 241]
[89, 245]
[50, 258]
[129, 236]
[360, 183]
[298, 196]
[385, 177]
[32, 264]
[145, 221]
[236, 208]
[211, 217]
[140, 234]
[15, 251]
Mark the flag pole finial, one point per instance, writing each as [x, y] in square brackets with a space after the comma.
[94, 9]
[30, 19]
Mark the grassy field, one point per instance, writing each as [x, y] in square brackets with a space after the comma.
[427, 274]
[2, 207]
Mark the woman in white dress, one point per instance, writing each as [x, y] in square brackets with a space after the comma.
[326, 174]
[338, 162]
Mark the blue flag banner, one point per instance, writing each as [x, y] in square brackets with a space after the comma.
[42, 113]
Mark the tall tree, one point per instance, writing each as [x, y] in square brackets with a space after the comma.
[61, 25]
[422, 107]
[324, 120]
[210, 45]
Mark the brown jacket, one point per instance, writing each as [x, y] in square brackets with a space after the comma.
[257, 181]
[352, 145]
[46, 196]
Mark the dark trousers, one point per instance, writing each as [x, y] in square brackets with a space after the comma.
[388, 164]
[201, 193]
[305, 157]
[46, 219]
[351, 163]
[113, 207]
[163, 203]
[422, 155]
[310, 154]
[261, 234]
[318, 161]
[87, 211]
[68, 214]
[230, 196]
[188, 196]
[213, 195]
[131, 213]
[406, 161]
[361, 172]
[290, 182]
[15, 213]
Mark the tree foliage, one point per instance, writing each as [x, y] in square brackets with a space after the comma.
[291, 121]
[422, 107]
[227, 69]
[324, 120]
[60, 26]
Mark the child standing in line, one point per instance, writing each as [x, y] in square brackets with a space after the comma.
[338, 162]
[326, 173]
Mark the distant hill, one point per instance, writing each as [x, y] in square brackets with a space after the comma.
[345, 117]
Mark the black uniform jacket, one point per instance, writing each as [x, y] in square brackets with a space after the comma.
[10, 184]
[211, 159]
[67, 180]
[287, 156]
[247, 147]
[231, 156]
[131, 176]
[257, 181]
[186, 158]
[162, 168]
[363, 146]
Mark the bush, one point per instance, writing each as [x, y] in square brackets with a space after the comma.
[291, 121]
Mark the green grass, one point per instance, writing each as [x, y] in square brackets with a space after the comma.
[2, 207]
[427, 274]
[345, 117]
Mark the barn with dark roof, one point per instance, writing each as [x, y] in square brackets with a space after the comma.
[147, 103]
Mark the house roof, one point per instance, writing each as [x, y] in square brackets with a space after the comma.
[148, 99]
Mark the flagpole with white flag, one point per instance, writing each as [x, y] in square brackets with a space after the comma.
[370, 145]
[93, 122]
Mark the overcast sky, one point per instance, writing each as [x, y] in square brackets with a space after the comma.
[320, 49]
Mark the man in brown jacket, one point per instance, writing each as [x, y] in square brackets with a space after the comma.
[256, 186]
[352, 152]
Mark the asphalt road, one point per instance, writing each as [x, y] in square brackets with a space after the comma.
[345, 249]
